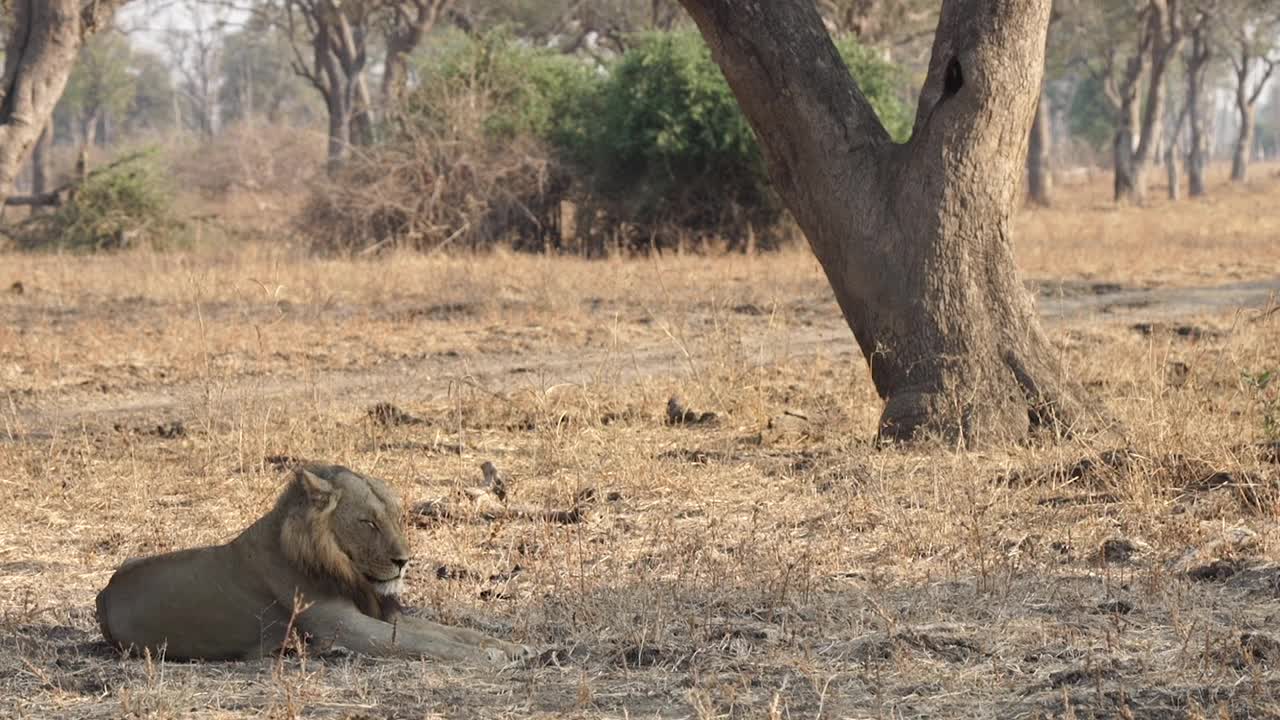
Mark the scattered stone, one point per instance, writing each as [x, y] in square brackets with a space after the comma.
[17, 288]
[446, 572]
[678, 414]
[1118, 550]
[171, 430]
[1216, 571]
[388, 415]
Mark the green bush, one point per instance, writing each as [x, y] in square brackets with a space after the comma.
[651, 146]
[124, 206]
[524, 90]
[664, 142]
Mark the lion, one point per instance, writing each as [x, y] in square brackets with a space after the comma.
[327, 562]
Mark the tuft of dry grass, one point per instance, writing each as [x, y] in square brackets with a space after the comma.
[767, 563]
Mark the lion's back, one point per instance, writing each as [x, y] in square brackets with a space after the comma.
[194, 603]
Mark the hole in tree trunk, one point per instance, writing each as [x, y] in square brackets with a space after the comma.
[953, 79]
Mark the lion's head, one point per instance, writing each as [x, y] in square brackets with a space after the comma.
[342, 526]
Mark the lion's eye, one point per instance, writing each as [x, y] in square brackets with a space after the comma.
[372, 525]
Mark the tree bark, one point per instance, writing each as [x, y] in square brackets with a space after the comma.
[1197, 66]
[1247, 96]
[1138, 124]
[413, 20]
[43, 42]
[1039, 173]
[915, 239]
[1244, 142]
[40, 161]
[1174, 170]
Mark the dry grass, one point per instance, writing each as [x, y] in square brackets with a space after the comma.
[741, 568]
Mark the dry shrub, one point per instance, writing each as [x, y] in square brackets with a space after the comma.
[434, 188]
[249, 157]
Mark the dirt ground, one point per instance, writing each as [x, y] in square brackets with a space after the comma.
[768, 562]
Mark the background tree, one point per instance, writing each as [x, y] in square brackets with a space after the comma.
[408, 24]
[152, 108]
[915, 238]
[257, 78]
[100, 90]
[43, 41]
[1200, 24]
[1251, 41]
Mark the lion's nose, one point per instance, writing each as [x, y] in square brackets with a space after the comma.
[400, 562]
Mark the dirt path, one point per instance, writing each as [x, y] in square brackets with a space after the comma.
[418, 381]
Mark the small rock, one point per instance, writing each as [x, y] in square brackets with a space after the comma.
[388, 415]
[171, 430]
[1118, 550]
[17, 288]
[1216, 571]
[678, 414]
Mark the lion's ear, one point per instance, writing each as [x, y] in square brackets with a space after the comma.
[322, 494]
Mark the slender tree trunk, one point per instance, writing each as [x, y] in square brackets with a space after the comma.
[361, 109]
[1173, 167]
[916, 238]
[339, 129]
[44, 39]
[1197, 65]
[1126, 171]
[1039, 173]
[1244, 142]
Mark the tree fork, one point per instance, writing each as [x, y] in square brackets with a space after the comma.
[915, 238]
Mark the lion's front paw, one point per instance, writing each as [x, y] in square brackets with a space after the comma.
[504, 653]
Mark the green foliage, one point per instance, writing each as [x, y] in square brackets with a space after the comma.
[523, 90]
[881, 83]
[124, 206]
[665, 138]
[1090, 114]
[101, 81]
[655, 138]
[152, 105]
[257, 78]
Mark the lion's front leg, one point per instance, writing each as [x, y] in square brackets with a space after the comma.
[465, 636]
[341, 624]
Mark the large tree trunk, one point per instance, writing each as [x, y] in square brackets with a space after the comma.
[40, 161]
[1039, 173]
[915, 238]
[43, 42]
[1174, 170]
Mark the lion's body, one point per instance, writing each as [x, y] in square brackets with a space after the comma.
[332, 542]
